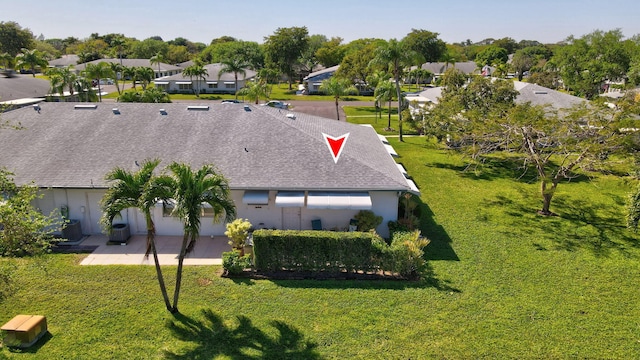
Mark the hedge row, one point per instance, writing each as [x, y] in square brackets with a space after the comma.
[277, 250]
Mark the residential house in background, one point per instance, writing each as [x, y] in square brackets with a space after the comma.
[213, 83]
[313, 81]
[160, 70]
[281, 168]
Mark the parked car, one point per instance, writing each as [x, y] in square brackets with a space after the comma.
[231, 101]
[106, 81]
[277, 104]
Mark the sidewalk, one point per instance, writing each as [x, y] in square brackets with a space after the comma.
[208, 251]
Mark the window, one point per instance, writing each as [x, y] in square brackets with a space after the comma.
[213, 85]
[230, 86]
[184, 86]
[167, 210]
[164, 87]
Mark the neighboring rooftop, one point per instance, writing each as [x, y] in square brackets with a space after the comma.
[64, 61]
[131, 63]
[213, 71]
[21, 86]
[73, 145]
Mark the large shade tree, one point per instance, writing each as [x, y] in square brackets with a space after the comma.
[285, 48]
[192, 189]
[14, 38]
[141, 190]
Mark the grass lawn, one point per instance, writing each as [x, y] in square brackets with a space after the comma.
[503, 283]
[367, 115]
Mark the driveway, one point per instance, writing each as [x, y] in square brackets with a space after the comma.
[326, 109]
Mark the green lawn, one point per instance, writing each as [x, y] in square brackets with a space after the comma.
[503, 283]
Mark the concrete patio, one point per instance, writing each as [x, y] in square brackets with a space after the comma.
[208, 251]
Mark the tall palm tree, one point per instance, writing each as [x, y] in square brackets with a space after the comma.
[31, 59]
[196, 71]
[118, 70]
[118, 43]
[254, 90]
[191, 191]
[384, 92]
[98, 71]
[157, 59]
[338, 88]
[85, 90]
[396, 56]
[372, 83]
[129, 72]
[57, 82]
[235, 66]
[139, 190]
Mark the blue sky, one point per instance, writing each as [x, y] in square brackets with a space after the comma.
[547, 21]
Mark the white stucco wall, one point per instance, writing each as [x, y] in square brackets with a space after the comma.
[84, 205]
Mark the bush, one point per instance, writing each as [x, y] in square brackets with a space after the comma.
[405, 255]
[367, 220]
[233, 263]
[237, 232]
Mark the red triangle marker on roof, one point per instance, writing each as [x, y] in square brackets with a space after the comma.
[335, 144]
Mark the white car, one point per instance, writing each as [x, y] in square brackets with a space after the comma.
[277, 104]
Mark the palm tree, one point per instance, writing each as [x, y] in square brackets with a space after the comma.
[158, 59]
[337, 87]
[118, 70]
[98, 71]
[372, 83]
[139, 190]
[235, 66]
[8, 61]
[145, 75]
[254, 90]
[191, 191]
[395, 55]
[31, 59]
[57, 82]
[384, 92]
[84, 88]
[118, 42]
[197, 71]
[129, 72]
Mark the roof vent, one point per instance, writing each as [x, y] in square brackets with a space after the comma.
[86, 107]
[540, 92]
[163, 112]
[291, 116]
[198, 107]
[247, 108]
[116, 111]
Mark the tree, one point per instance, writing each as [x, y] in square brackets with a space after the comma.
[338, 88]
[157, 59]
[141, 190]
[31, 59]
[151, 95]
[492, 56]
[357, 63]
[13, 38]
[147, 48]
[98, 71]
[309, 59]
[396, 56]
[62, 79]
[144, 75]
[7, 60]
[484, 120]
[118, 71]
[248, 51]
[235, 66]
[25, 231]
[587, 62]
[254, 90]
[285, 48]
[425, 44]
[191, 191]
[384, 92]
[373, 81]
[196, 71]
[118, 43]
[331, 52]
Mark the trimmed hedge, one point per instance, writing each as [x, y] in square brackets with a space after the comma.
[316, 251]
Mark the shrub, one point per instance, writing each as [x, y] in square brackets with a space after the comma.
[405, 255]
[367, 220]
[233, 263]
[395, 226]
[237, 232]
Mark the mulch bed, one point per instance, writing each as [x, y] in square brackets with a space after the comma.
[310, 275]
[73, 249]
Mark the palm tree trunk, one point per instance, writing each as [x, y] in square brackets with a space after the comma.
[389, 124]
[236, 85]
[163, 287]
[176, 293]
[337, 110]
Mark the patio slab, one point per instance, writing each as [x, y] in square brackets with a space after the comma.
[208, 251]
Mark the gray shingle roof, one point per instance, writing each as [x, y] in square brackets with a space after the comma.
[467, 67]
[131, 63]
[258, 149]
[65, 60]
[213, 70]
[22, 86]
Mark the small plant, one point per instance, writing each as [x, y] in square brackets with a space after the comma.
[406, 253]
[234, 263]
[238, 232]
[367, 220]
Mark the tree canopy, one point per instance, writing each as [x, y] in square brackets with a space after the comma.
[285, 48]
[13, 38]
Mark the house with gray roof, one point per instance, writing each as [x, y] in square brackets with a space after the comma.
[281, 168]
[159, 70]
[213, 83]
[19, 90]
[313, 81]
[439, 68]
[64, 61]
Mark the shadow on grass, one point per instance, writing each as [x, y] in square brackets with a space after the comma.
[32, 349]
[211, 338]
[440, 247]
[579, 224]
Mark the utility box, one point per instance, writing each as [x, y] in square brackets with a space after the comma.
[24, 330]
